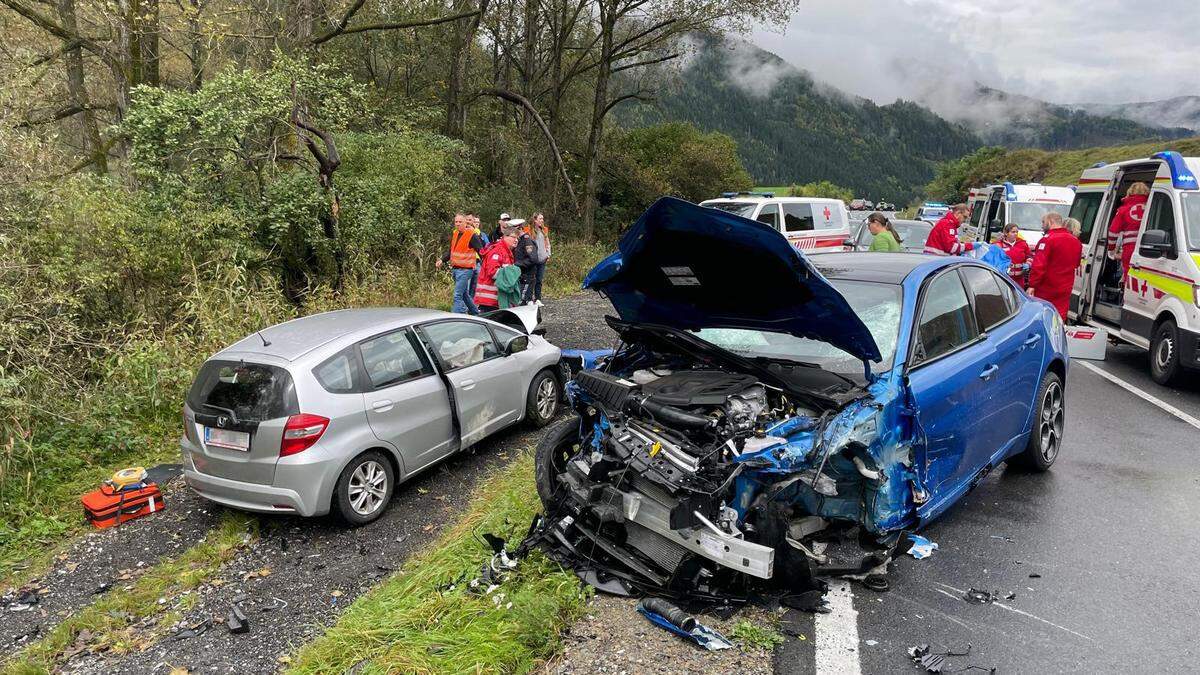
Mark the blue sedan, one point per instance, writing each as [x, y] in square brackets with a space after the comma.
[765, 406]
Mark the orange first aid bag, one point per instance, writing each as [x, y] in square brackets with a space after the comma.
[105, 507]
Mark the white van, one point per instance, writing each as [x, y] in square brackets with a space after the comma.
[809, 223]
[995, 206]
[1157, 307]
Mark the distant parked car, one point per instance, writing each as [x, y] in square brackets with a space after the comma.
[861, 205]
[330, 412]
[913, 234]
[885, 206]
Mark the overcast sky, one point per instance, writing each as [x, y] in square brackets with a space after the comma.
[1065, 51]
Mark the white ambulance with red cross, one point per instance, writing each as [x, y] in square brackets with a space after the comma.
[809, 223]
[1157, 305]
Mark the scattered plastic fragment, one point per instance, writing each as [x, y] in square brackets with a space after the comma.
[671, 618]
[1011, 596]
[24, 602]
[1035, 575]
[871, 643]
[237, 621]
[922, 547]
[934, 662]
[196, 629]
[979, 597]
[1001, 538]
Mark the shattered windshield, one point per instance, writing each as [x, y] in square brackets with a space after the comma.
[743, 209]
[877, 304]
[1191, 218]
[1028, 215]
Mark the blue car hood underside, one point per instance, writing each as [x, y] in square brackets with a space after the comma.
[691, 267]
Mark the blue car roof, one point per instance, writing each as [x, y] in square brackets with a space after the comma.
[686, 266]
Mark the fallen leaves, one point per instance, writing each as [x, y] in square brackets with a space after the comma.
[257, 574]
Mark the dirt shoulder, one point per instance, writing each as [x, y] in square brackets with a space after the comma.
[296, 577]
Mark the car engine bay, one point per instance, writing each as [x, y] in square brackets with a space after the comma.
[689, 478]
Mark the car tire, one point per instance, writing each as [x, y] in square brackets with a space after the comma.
[1049, 425]
[1165, 367]
[541, 403]
[364, 488]
[553, 451]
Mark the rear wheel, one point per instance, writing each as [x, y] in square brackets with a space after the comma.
[541, 403]
[364, 488]
[1049, 424]
[558, 446]
[1164, 355]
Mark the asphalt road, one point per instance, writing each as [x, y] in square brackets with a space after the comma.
[1111, 530]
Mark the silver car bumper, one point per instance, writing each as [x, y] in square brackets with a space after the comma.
[305, 489]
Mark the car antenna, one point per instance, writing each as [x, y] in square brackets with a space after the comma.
[262, 337]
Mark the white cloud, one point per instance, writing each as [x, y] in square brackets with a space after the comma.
[1065, 51]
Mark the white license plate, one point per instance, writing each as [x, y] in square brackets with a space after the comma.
[226, 438]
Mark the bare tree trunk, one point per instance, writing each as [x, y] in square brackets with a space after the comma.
[464, 38]
[197, 50]
[77, 91]
[599, 110]
[147, 27]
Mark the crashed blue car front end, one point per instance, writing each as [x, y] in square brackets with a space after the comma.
[762, 422]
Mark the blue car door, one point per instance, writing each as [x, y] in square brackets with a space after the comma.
[1017, 345]
[949, 369]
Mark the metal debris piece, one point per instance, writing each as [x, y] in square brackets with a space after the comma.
[237, 621]
[979, 597]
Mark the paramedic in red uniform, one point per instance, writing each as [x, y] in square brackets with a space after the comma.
[1054, 262]
[943, 238]
[1018, 251]
[1123, 232]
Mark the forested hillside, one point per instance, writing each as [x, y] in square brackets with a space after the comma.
[991, 165]
[792, 130]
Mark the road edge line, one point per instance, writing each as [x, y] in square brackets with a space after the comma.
[836, 648]
[1166, 407]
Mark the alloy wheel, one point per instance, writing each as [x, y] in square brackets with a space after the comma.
[1052, 423]
[368, 488]
[546, 397]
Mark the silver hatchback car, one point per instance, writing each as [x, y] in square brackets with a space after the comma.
[331, 411]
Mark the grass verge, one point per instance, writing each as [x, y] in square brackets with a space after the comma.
[410, 624]
[108, 620]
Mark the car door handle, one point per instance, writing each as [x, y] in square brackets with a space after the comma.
[1032, 340]
[466, 384]
[989, 371]
[382, 406]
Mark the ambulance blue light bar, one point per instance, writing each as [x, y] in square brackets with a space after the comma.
[731, 195]
[1182, 178]
[1010, 192]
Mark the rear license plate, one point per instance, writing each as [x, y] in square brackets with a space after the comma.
[225, 438]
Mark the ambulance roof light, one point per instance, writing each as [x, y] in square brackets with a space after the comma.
[1097, 165]
[1010, 193]
[1182, 178]
[731, 195]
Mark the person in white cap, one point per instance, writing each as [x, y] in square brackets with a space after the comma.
[500, 225]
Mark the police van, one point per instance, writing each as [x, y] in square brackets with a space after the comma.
[1157, 307]
[995, 206]
[809, 223]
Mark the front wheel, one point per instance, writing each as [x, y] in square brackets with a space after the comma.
[1164, 355]
[556, 448]
[1049, 425]
[541, 403]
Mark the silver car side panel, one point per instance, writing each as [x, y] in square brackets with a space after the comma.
[413, 416]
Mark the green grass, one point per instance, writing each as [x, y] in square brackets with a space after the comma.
[753, 636]
[108, 619]
[409, 625]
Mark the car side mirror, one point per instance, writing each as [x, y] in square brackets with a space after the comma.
[517, 344]
[1154, 244]
[849, 243]
[995, 225]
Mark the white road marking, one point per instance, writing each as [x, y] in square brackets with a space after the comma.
[837, 633]
[1001, 605]
[1140, 394]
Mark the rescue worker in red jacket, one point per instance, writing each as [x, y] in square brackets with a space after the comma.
[1123, 232]
[1018, 251]
[943, 238]
[496, 255]
[1055, 259]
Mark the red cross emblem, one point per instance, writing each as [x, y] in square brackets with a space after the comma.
[827, 214]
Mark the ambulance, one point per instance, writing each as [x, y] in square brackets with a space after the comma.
[1157, 306]
[995, 206]
[809, 223]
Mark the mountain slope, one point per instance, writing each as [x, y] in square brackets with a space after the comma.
[789, 129]
[1181, 111]
[1013, 120]
[792, 129]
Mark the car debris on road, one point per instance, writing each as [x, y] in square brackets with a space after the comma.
[667, 616]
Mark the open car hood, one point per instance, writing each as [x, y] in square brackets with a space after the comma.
[690, 267]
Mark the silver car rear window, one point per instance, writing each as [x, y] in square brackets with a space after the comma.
[251, 391]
